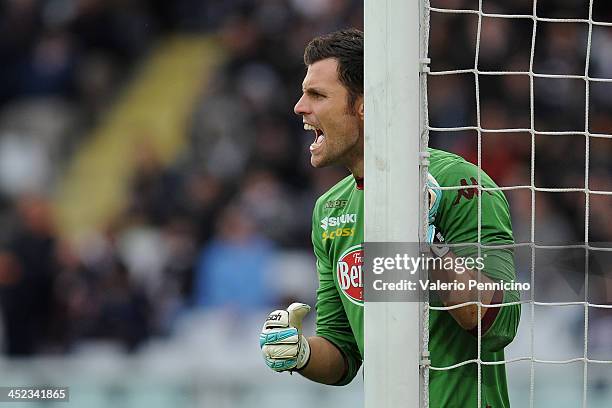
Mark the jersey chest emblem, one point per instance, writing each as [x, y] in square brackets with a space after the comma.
[349, 274]
[468, 192]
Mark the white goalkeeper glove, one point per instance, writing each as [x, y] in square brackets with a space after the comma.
[283, 346]
[435, 197]
[434, 237]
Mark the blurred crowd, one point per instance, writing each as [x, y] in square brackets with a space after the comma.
[217, 229]
[227, 225]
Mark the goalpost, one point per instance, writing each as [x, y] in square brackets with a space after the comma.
[394, 123]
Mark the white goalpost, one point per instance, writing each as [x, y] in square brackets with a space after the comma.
[394, 122]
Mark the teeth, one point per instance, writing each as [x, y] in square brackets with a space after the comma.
[308, 126]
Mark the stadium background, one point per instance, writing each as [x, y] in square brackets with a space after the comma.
[155, 188]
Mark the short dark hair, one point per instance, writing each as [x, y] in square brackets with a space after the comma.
[346, 46]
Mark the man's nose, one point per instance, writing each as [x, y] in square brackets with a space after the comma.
[300, 107]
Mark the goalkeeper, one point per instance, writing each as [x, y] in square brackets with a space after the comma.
[332, 107]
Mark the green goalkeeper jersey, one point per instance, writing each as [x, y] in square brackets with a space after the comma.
[337, 236]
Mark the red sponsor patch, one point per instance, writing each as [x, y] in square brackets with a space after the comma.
[350, 278]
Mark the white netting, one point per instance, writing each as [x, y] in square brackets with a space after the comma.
[587, 132]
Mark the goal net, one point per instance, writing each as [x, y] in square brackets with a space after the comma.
[523, 90]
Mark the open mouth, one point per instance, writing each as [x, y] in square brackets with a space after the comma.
[319, 136]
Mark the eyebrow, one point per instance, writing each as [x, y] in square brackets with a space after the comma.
[314, 90]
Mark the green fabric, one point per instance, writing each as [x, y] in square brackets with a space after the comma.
[337, 236]
[338, 319]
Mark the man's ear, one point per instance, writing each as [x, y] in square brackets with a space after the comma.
[360, 108]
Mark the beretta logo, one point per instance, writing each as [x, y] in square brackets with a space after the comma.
[349, 274]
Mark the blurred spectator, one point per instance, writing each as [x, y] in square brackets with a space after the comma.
[122, 309]
[176, 288]
[153, 189]
[232, 269]
[273, 209]
[98, 297]
[28, 269]
[205, 196]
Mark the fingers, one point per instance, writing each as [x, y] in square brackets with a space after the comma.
[280, 351]
[435, 197]
[432, 182]
[280, 340]
[276, 336]
[278, 318]
[297, 311]
[281, 365]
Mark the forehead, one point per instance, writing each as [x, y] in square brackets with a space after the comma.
[322, 74]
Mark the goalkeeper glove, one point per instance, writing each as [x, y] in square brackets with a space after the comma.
[434, 237]
[435, 197]
[283, 346]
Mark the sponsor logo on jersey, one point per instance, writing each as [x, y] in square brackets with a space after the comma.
[338, 221]
[349, 274]
[338, 232]
[468, 192]
[335, 204]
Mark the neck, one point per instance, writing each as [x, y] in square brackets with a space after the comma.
[355, 159]
[356, 168]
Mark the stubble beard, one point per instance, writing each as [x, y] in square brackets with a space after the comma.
[344, 154]
[338, 155]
